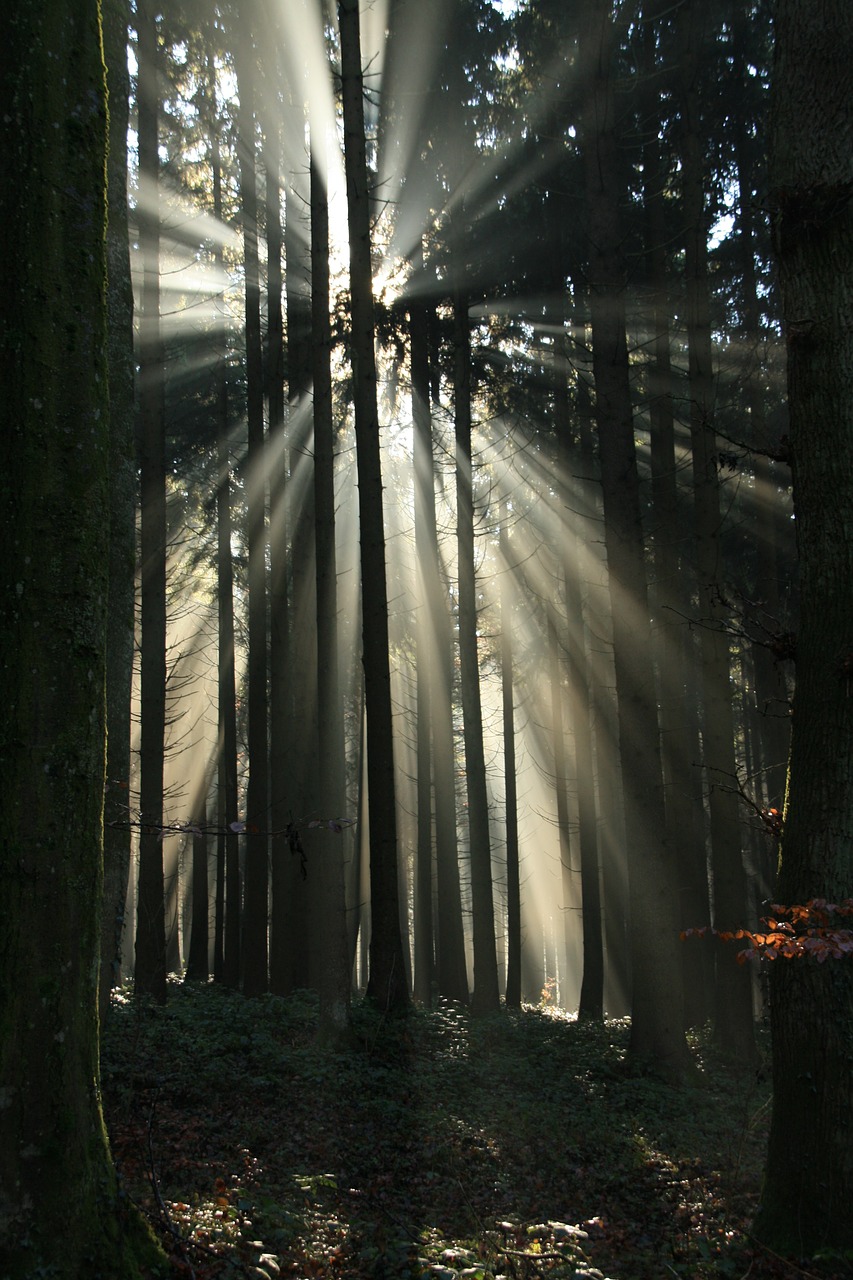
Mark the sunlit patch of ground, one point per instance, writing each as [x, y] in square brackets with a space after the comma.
[519, 1146]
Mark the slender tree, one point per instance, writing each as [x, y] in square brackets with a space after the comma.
[387, 985]
[255, 908]
[656, 1011]
[150, 970]
[333, 958]
[486, 996]
[733, 1020]
[123, 489]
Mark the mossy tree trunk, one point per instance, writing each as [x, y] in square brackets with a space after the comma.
[59, 1212]
[808, 1194]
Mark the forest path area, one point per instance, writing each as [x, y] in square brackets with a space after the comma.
[436, 1146]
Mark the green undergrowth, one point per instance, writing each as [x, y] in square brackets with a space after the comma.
[435, 1145]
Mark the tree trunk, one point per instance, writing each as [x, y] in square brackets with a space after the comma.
[513, 879]
[255, 906]
[333, 955]
[228, 878]
[197, 961]
[55, 454]
[561, 791]
[808, 1200]
[486, 995]
[733, 1017]
[656, 1022]
[150, 972]
[120, 617]
[387, 984]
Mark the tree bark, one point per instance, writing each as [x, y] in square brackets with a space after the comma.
[150, 971]
[333, 952]
[656, 1020]
[54, 493]
[513, 878]
[387, 982]
[120, 617]
[808, 1200]
[733, 1017]
[255, 905]
[486, 994]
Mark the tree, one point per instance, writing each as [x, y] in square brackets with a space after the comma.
[54, 491]
[656, 1020]
[253, 947]
[808, 1194]
[387, 983]
[150, 971]
[122, 509]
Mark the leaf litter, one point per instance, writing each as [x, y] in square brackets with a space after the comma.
[436, 1147]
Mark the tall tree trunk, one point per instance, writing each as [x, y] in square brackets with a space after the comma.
[561, 792]
[486, 996]
[435, 641]
[229, 887]
[120, 617]
[591, 1001]
[733, 1017]
[673, 568]
[656, 1020]
[387, 984]
[54, 492]
[255, 907]
[426, 555]
[807, 1202]
[280, 675]
[513, 878]
[333, 953]
[150, 906]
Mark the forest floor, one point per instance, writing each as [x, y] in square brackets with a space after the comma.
[436, 1146]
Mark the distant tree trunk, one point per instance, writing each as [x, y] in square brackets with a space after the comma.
[294, 620]
[486, 996]
[772, 517]
[229, 887]
[255, 906]
[513, 879]
[55, 452]
[280, 675]
[150, 971]
[435, 643]
[197, 961]
[591, 1000]
[387, 984]
[656, 1022]
[807, 1202]
[673, 569]
[120, 617]
[561, 792]
[733, 1017]
[426, 555]
[333, 955]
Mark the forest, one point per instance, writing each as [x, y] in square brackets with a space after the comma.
[427, 497]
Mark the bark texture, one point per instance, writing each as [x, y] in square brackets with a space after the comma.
[808, 1195]
[54, 490]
